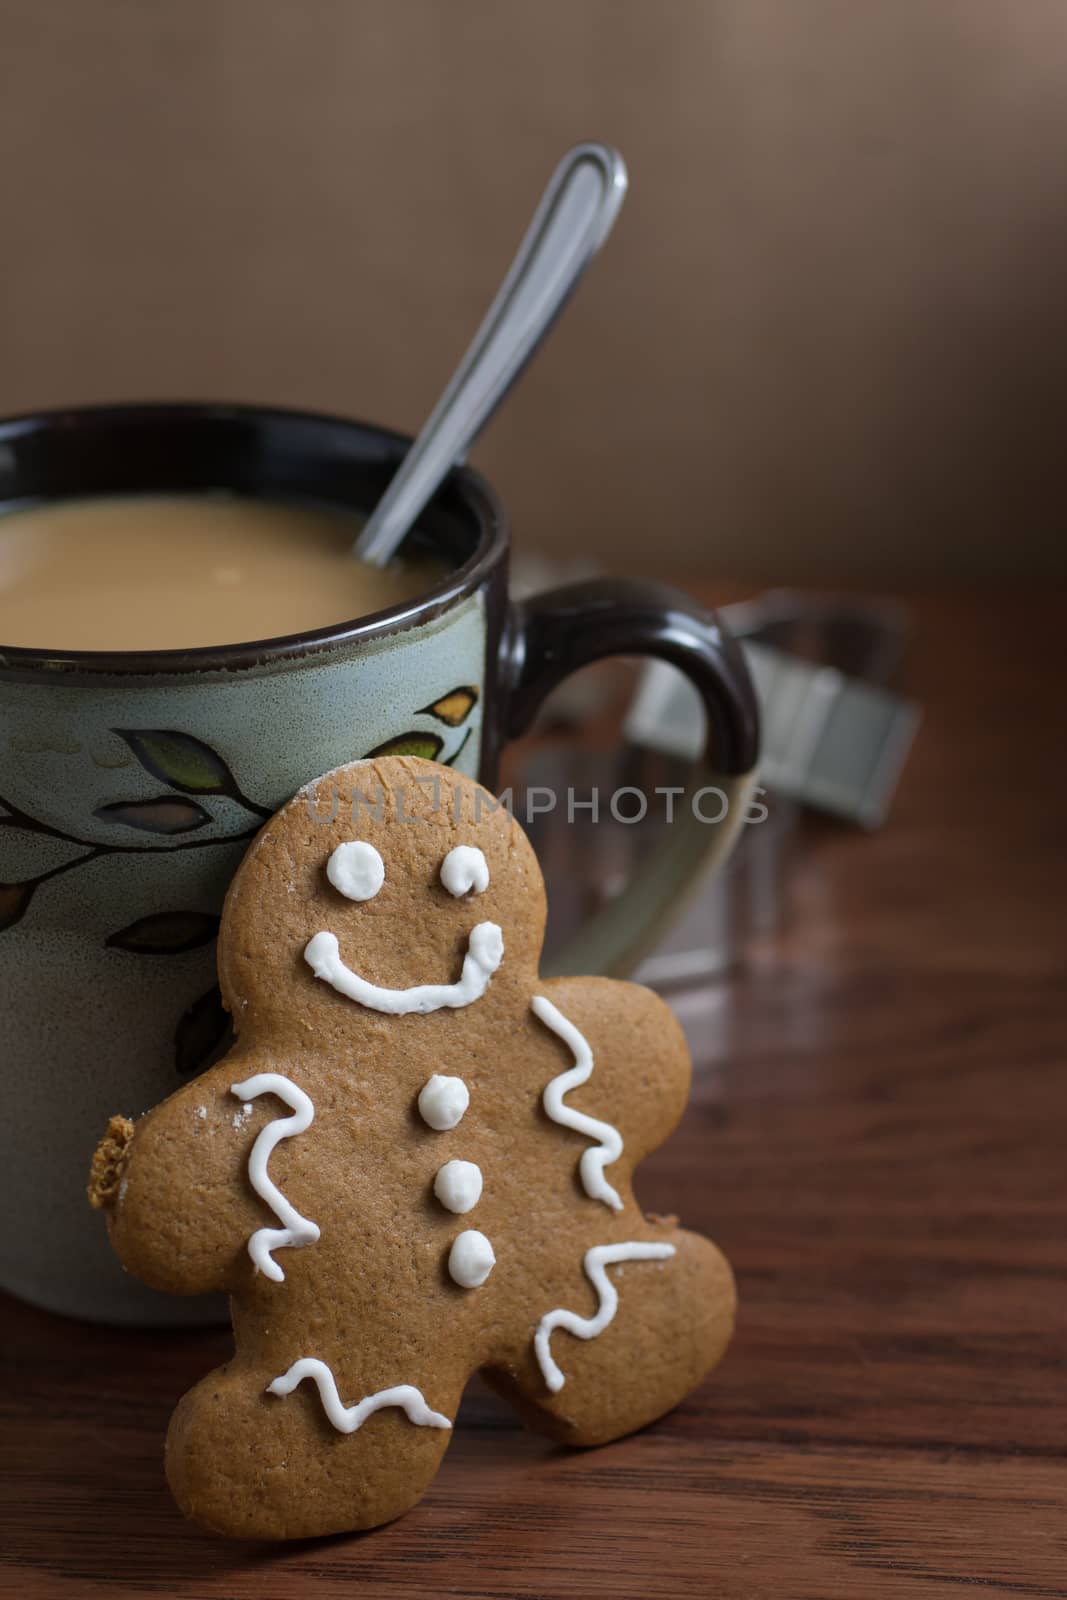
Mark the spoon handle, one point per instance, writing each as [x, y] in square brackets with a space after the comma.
[571, 222]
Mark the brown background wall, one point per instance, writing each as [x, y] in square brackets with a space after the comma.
[827, 336]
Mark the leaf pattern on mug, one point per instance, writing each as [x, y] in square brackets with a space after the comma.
[450, 760]
[181, 760]
[427, 745]
[23, 824]
[163, 814]
[186, 764]
[454, 707]
[165, 933]
[14, 899]
[203, 1035]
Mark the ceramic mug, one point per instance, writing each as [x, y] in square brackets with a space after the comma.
[131, 783]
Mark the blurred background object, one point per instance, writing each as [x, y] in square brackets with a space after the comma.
[834, 741]
[831, 737]
[827, 338]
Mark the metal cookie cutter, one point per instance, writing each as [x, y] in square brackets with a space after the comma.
[833, 738]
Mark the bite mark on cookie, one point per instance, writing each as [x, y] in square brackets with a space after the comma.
[109, 1161]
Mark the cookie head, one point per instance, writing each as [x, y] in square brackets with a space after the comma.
[395, 886]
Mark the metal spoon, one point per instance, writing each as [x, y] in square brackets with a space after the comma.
[571, 222]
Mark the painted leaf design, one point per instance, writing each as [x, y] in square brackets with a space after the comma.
[22, 824]
[203, 1034]
[450, 761]
[415, 743]
[164, 814]
[14, 899]
[453, 707]
[176, 758]
[165, 933]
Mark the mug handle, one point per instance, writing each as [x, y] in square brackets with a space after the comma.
[552, 635]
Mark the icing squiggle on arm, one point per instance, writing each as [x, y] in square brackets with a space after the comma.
[347, 1419]
[485, 952]
[591, 1167]
[596, 1260]
[295, 1230]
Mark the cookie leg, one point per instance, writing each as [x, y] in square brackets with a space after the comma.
[259, 1465]
[670, 1324]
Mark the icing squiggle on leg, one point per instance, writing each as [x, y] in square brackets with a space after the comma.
[346, 1419]
[596, 1259]
[295, 1230]
[591, 1167]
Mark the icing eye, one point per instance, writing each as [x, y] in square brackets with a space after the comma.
[464, 869]
[356, 870]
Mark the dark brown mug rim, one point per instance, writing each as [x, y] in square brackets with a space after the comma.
[476, 493]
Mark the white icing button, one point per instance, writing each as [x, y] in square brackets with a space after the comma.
[443, 1101]
[356, 870]
[471, 1259]
[463, 869]
[458, 1186]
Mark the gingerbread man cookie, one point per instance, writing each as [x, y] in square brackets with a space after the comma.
[414, 1163]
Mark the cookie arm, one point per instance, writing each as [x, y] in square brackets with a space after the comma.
[641, 1071]
[172, 1187]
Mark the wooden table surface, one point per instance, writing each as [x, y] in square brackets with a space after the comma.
[877, 1138]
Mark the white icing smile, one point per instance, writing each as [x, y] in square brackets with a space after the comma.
[485, 951]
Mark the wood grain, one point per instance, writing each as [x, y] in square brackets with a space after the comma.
[877, 1139]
